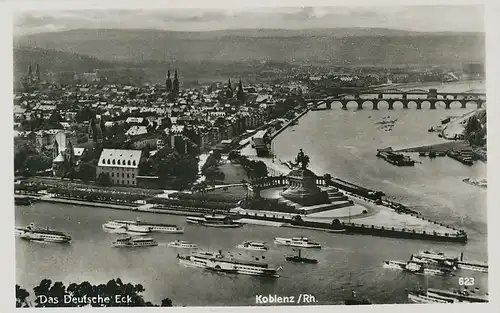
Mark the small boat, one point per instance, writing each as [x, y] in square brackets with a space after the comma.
[300, 259]
[253, 245]
[23, 200]
[182, 244]
[482, 183]
[33, 233]
[128, 241]
[300, 242]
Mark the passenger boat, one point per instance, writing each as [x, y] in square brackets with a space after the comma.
[424, 296]
[477, 267]
[219, 263]
[182, 244]
[212, 220]
[33, 233]
[145, 227]
[118, 228]
[418, 267]
[450, 264]
[300, 259]
[253, 245]
[134, 242]
[460, 295]
[300, 242]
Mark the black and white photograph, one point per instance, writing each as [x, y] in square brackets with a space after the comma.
[250, 156]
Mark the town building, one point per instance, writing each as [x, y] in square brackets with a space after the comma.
[121, 165]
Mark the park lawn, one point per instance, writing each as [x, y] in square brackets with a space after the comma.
[234, 173]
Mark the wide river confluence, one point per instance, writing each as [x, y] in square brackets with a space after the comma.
[342, 143]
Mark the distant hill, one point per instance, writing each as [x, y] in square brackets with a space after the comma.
[56, 61]
[353, 46]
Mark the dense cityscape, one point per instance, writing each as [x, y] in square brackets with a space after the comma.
[312, 160]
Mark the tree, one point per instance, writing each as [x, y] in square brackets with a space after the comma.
[22, 295]
[103, 179]
[112, 290]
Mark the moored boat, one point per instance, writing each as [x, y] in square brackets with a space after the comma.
[221, 263]
[418, 267]
[182, 244]
[423, 296]
[253, 245]
[460, 295]
[213, 220]
[144, 227]
[299, 242]
[34, 233]
[128, 241]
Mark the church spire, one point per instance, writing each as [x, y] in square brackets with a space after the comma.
[37, 73]
[240, 95]
[168, 82]
[176, 85]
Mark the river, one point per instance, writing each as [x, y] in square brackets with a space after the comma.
[342, 143]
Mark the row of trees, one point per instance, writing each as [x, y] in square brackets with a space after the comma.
[53, 295]
[28, 160]
[193, 203]
[475, 129]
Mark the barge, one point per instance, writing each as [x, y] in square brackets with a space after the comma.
[395, 158]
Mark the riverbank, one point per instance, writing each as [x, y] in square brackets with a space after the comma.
[445, 146]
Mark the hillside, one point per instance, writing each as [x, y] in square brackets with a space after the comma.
[330, 46]
[56, 61]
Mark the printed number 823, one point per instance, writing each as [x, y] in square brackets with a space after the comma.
[466, 281]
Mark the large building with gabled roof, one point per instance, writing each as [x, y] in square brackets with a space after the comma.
[121, 165]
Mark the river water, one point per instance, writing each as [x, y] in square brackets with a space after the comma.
[342, 143]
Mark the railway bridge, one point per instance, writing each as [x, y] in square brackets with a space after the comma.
[418, 98]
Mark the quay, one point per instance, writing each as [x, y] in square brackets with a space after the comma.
[464, 156]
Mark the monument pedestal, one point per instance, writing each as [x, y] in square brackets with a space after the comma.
[303, 189]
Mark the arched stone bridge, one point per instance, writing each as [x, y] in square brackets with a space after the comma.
[418, 98]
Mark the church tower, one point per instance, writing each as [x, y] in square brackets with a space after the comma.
[30, 74]
[55, 149]
[168, 83]
[176, 85]
[229, 90]
[240, 95]
[37, 73]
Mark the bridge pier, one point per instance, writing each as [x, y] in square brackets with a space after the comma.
[405, 105]
[344, 105]
[391, 105]
[329, 105]
[360, 105]
[405, 96]
[463, 104]
[447, 104]
[479, 104]
[375, 105]
[419, 105]
[381, 96]
[433, 105]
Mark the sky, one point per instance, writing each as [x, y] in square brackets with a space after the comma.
[413, 18]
